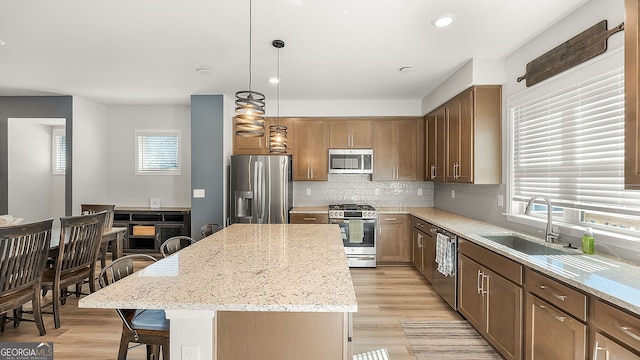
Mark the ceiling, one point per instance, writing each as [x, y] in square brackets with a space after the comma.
[147, 51]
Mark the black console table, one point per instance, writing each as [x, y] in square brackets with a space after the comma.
[148, 228]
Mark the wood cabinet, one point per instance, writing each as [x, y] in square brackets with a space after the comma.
[435, 145]
[423, 248]
[393, 243]
[617, 333]
[556, 317]
[309, 218]
[260, 145]
[465, 135]
[490, 297]
[148, 228]
[350, 133]
[396, 145]
[632, 94]
[310, 159]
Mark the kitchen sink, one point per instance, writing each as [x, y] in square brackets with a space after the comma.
[524, 245]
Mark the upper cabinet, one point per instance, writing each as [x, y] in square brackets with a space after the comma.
[350, 133]
[397, 153]
[260, 144]
[464, 138]
[632, 94]
[311, 140]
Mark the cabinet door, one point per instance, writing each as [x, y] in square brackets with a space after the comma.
[453, 139]
[383, 155]
[166, 231]
[309, 218]
[435, 147]
[406, 149]
[339, 134]
[470, 293]
[417, 239]
[605, 349]
[310, 140]
[632, 94]
[465, 138]
[392, 244]
[250, 145]
[429, 254]
[552, 334]
[360, 131]
[503, 314]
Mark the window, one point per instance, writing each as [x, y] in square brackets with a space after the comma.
[157, 152]
[59, 151]
[568, 144]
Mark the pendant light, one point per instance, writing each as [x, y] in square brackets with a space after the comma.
[249, 105]
[278, 133]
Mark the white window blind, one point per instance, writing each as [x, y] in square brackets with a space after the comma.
[158, 152]
[568, 140]
[59, 150]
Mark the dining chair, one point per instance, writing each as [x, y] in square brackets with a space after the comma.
[175, 244]
[23, 255]
[209, 229]
[80, 238]
[142, 326]
[108, 224]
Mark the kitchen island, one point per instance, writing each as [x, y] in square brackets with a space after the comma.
[249, 291]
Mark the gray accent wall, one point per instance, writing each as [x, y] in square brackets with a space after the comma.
[34, 107]
[207, 161]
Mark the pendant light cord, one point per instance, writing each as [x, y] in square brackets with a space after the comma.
[279, 80]
[250, 22]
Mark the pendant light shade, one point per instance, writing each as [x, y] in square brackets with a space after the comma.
[249, 105]
[278, 133]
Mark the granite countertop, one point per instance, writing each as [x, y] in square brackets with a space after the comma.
[309, 209]
[269, 267]
[615, 281]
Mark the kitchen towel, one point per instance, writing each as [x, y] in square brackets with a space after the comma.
[445, 255]
[356, 231]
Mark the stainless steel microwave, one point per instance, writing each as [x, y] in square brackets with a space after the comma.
[350, 161]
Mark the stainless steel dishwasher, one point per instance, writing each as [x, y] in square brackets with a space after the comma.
[446, 285]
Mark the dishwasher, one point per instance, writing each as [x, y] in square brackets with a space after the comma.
[445, 279]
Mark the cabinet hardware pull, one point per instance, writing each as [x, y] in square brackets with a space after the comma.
[433, 171]
[559, 297]
[627, 330]
[484, 276]
[390, 219]
[308, 172]
[309, 219]
[312, 172]
[596, 349]
[419, 241]
[559, 318]
[480, 283]
[433, 230]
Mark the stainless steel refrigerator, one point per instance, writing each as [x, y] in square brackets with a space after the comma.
[260, 189]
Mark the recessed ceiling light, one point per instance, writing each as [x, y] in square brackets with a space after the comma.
[442, 21]
[406, 69]
[274, 80]
[2, 42]
[203, 70]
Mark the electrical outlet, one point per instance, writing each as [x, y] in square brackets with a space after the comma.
[198, 193]
[419, 192]
[377, 192]
[308, 191]
[190, 352]
[500, 200]
[453, 194]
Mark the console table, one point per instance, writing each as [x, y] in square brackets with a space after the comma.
[148, 228]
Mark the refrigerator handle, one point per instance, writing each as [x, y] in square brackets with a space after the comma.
[263, 202]
[256, 189]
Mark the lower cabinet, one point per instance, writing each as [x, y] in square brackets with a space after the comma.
[556, 319]
[309, 218]
[617, 333]
[489, 298]
[393, 243]
[423, 248]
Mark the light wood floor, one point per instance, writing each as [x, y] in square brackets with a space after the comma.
[386, 295]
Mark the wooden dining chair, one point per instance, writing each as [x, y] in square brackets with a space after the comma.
[108, 224]
[142, 326]
[209, 229]
[23, 255]
[80, 238]
[175, 244]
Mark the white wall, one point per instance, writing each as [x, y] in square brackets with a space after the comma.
[124, 187]
[33, 194]
[90, 153]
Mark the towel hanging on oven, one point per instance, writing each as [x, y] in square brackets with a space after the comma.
[445, 256]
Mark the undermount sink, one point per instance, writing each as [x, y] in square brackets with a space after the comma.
[523, 245]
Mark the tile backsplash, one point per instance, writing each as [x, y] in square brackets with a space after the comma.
[360, 189]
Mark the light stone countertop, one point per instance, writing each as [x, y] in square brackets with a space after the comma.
[309, 209]
[245, 267]
[615, 281]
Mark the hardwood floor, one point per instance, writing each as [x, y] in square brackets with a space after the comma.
[386, 295]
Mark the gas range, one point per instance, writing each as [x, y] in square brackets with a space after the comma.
[352, 211]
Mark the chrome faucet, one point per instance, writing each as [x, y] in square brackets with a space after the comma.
[550, 236]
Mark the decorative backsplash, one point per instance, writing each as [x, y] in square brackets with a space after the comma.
[359, 189]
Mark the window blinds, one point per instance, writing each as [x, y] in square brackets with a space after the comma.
[60, 152]
[568, 140]
[158, 152]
